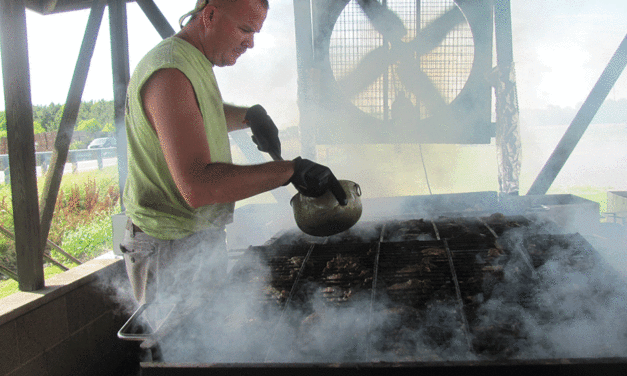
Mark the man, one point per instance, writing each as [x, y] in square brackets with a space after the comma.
[182, 185]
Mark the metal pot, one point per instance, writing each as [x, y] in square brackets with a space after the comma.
[324, 216]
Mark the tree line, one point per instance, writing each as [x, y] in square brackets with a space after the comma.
[97, 116]
[93, 116]
[610, 112]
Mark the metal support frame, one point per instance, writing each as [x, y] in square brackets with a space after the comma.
[21, 143]
[121, 77]
[307, 76]
[68, 121]
[581, 121]
[508, 140]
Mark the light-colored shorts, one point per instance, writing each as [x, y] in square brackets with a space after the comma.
[174, 270]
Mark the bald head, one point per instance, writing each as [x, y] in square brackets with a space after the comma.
[226, 4]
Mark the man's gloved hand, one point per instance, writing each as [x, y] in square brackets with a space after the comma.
[265, 133]
[313, 180]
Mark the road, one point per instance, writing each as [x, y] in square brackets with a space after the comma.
[82, 167]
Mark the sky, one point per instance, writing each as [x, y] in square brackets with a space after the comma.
[560, 50]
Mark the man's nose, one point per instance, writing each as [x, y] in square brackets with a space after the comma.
[249, 42]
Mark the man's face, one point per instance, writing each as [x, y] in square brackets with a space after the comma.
[232, 30]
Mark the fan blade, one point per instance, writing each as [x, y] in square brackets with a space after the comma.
[385, 21]
[370, 67]
[439, 112]
[417, 82]
[433, 34]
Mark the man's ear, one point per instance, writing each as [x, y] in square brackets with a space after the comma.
[208, 16]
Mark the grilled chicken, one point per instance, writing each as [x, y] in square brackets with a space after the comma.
[412, 284]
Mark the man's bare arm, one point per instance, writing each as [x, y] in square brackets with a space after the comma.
[170, 104]
[235, 117]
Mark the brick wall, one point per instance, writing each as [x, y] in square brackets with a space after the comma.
[69, 328]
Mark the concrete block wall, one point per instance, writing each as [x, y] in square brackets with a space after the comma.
[68, 328]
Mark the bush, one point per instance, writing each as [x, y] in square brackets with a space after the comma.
[90, 240]
[78, 145]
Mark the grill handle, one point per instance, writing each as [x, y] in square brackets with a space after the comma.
[125, 330]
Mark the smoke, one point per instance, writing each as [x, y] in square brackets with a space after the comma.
[570, 306]
[237, 330]
[548, 296]
[587, 310]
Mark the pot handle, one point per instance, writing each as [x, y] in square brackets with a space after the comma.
[357, 189]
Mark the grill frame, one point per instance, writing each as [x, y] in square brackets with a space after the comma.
[556, 367]
[566, 366]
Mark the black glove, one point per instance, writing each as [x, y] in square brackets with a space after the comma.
[313, 180]
[265, 133]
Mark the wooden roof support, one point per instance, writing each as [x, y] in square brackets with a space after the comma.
[21, 143]
[157, 18]
[47, 7]
[121, 76]
[31, 235]
[68, 120]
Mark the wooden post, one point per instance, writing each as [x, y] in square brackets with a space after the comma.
[157, 19]
[21, 142]
[121, 77]
[99, 158]
[45, 162]
[74, 161]
[68, 120]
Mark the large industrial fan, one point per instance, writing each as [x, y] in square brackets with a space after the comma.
[401, 71]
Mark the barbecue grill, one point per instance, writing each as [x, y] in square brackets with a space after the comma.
[399, 294]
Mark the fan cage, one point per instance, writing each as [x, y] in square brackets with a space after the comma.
[448, 66]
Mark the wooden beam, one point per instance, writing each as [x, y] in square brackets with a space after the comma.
[9, 273]
[157, 18]
[121, 77]
[11, 236]
[21, 143]
[47, 7]
[68, 121]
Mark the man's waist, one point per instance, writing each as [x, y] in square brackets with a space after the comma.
[133, 228]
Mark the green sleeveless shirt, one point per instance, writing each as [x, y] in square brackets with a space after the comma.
[152, 200]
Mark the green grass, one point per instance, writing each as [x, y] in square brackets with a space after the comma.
[81, 225]
[90, 241]
[10, 286]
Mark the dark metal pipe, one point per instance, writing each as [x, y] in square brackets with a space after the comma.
[581, 121]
